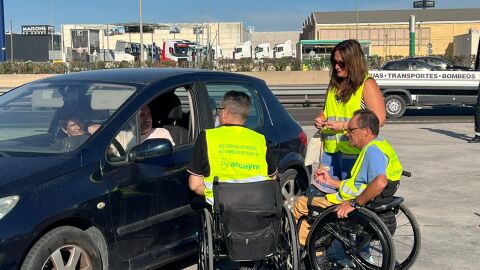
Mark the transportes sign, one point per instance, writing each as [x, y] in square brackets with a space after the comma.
[468, 79]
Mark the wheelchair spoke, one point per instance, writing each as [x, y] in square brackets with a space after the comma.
[334, 232]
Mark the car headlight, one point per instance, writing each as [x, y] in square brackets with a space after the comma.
[7, 204]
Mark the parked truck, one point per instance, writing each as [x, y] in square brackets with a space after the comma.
[263, 50]
[422, 88]
[284, 50]
[176, 50]
[243, 50]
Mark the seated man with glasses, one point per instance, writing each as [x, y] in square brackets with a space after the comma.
[376, 168]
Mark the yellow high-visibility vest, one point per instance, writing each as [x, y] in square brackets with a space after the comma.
[348, 191]
[334, 141]
[235, 154]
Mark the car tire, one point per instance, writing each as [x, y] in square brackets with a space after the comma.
[59, 246]
[292, 185]
[395, 106]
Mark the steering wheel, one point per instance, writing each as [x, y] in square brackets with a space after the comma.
[118, 146]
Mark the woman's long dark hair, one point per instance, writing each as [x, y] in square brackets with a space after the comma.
[356, 67]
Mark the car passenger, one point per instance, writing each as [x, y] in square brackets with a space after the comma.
[73, 129]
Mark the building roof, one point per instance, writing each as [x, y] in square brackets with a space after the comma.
[397, 16]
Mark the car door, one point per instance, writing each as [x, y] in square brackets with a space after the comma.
[150, 199]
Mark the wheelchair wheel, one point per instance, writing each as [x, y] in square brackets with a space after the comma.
[407, 238]
[361, 241]
[205, 242]
[288, 257]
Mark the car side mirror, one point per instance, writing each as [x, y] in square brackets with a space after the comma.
[150, 148]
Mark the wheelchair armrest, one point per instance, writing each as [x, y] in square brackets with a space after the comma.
[383, 206]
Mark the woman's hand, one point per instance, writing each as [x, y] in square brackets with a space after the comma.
[319, 122]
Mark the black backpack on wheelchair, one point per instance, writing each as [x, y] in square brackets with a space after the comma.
[248, 222]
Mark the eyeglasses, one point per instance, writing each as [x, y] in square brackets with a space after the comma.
[341, 64]
[352, 129]
[217, 110]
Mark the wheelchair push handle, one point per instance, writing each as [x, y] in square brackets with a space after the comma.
[407, 174]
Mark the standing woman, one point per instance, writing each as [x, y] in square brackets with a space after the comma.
[350, 89]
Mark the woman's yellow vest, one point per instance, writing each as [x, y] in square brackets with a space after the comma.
[235, 154]
[334, 141]
[348, 191]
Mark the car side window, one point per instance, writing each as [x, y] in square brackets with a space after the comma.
[172, 111]
[125, 140]
[216, 92]
[420, 66]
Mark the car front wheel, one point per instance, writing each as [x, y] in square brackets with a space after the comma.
[292, 184]
[66, 248]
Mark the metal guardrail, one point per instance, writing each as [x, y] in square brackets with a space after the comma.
[304, 95]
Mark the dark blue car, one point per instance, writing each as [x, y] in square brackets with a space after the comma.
[75, 195]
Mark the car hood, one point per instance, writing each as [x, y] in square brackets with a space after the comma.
[17, 171]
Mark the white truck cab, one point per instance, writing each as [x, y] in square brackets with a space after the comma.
[243, 50]
[263, 50]
[283, 50]
[175, 50]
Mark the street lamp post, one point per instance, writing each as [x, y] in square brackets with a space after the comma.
[356, 24]
[141, 33]
[423, 4]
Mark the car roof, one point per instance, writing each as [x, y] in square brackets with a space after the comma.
[143, 76]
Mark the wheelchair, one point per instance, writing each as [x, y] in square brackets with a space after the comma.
[384, 234]
[248, 222]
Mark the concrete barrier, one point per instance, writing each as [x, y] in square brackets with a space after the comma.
[271, 77]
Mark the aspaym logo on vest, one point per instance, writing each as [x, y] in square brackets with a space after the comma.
[243, 166]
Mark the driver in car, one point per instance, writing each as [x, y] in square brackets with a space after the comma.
[126, 138]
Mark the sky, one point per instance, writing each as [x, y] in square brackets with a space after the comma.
[263, 15]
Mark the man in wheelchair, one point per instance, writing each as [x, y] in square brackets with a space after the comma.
[376, 171]
[236, 163]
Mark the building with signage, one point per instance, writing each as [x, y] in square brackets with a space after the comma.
[33, 44]
[83, 39]
[387, 31]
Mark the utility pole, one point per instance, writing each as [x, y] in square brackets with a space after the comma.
[412, 35]
[11, 40]
[2, 34]
[356, 24]
[141, 34]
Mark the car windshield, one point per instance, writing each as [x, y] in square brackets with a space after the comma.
[55, 117]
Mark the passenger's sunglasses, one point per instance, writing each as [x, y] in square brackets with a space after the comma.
[341, 64]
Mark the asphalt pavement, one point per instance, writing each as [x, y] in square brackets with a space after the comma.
[443, 192]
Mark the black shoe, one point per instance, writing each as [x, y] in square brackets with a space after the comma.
[475, 139]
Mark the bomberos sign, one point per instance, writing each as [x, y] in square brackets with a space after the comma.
[37, 30]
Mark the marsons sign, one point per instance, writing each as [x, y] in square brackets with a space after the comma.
[37, 30]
